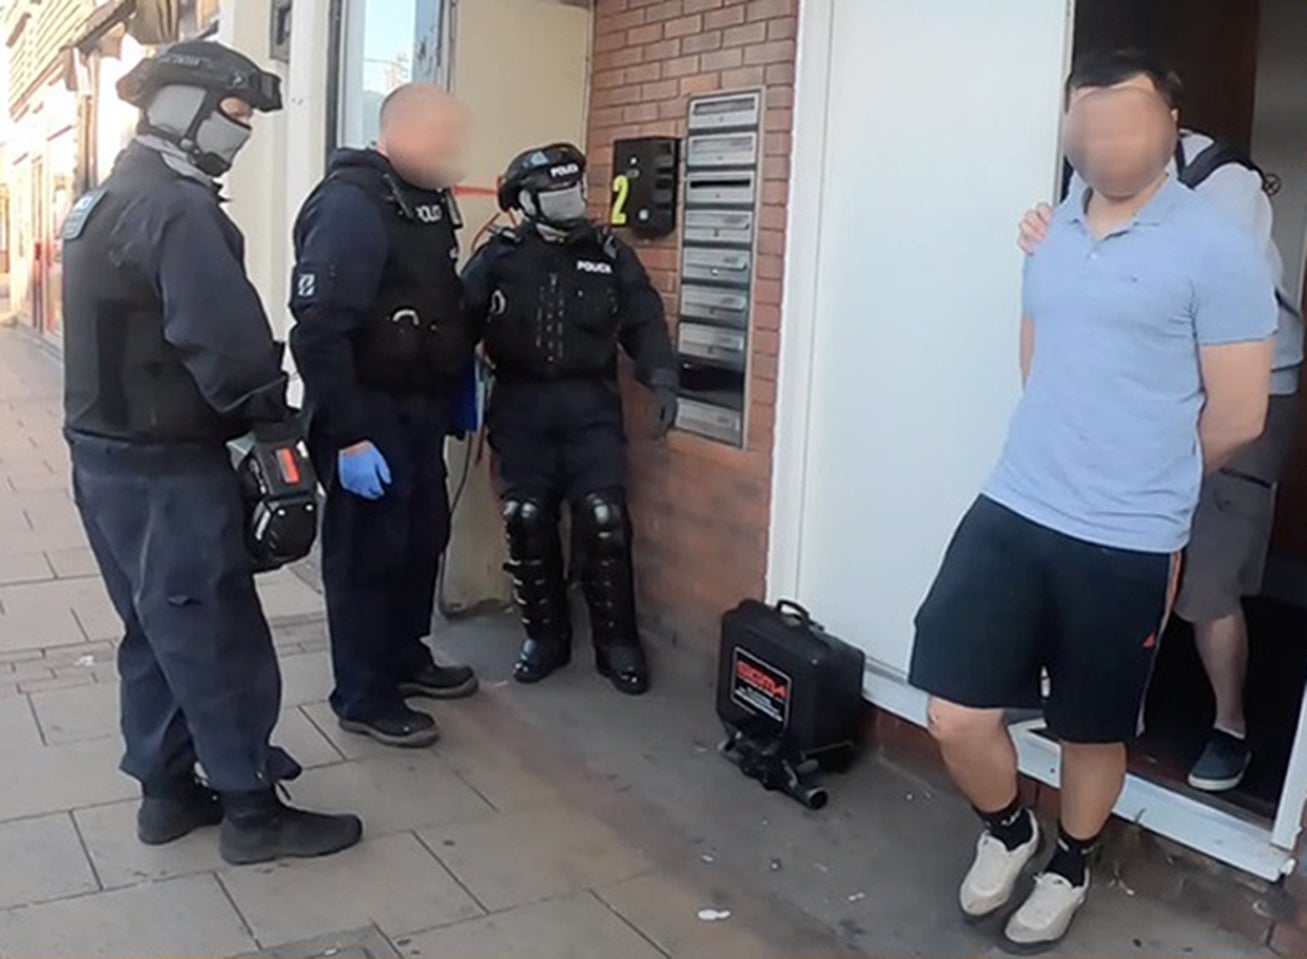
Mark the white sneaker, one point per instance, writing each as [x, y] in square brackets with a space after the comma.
[989, 883]
[1045, 917]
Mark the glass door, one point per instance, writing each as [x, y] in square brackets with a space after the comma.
[383, 44]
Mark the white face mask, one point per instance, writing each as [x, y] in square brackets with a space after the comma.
[563, 208]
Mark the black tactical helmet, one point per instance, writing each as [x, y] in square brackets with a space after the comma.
[202, 63]
[558, 166]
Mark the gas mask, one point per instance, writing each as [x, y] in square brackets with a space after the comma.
[564, 209]
[177, 110]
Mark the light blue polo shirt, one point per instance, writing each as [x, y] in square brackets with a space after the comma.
[1103, 445]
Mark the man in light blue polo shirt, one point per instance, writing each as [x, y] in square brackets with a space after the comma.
[1146, 357]
[1231, 533]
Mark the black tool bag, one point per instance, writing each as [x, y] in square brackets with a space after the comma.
[790, 696]
[279, 488]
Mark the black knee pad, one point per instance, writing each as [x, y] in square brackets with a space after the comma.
[604, 524]
[532, 528]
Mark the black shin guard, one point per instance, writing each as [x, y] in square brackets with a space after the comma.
[608, 580]
[536, 565]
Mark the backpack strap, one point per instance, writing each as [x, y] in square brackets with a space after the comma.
[1211, 159]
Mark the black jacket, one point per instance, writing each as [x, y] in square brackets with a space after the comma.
[376, 295]
[557, 310]
[165, 340]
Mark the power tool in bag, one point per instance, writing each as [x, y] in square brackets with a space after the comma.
[790, 696]
[280, 491]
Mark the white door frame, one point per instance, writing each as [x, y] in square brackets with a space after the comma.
[1253, 848]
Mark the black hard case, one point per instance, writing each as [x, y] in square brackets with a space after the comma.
[818, 715]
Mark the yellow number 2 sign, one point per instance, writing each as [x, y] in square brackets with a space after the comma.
[621, 191]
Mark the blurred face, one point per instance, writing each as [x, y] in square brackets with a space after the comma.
[426, 140]
[1120, 138]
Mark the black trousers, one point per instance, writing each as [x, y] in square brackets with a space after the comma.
[380, 557]
[198, 670]
[556, 441]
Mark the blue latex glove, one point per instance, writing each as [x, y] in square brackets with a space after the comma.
[363, 470]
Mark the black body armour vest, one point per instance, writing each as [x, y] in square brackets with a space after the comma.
[122, 379]
[554, 309]
[417, 336]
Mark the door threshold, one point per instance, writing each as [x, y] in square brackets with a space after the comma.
[1213, 832]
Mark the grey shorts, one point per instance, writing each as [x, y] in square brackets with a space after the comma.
[1232, 525]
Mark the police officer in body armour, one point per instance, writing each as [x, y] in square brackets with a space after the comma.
[168, 356]
[383, 343]
[558, 297]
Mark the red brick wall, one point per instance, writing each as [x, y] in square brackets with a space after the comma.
[701, 508]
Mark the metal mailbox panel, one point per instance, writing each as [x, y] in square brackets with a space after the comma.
[722, 149]
[715, 422]
[712, 343]
[718, 306]
[730, 110]
[716, 266]
[708, 188]
[718, 226]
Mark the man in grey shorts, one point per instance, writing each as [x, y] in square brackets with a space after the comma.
[1232, 527]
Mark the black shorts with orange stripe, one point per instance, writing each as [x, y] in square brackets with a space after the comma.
[1014, 600]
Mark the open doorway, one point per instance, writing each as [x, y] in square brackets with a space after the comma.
[1244, 67]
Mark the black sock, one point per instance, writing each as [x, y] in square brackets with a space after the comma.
[1071, 858]
[1011, 825]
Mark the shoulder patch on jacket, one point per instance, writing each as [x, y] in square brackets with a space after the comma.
[80, 214]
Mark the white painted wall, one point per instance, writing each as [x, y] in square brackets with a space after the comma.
[1280, 125]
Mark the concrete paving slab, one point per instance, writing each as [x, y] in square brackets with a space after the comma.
[497, 774]
[72, 563]
[82, 712]
[394, 793]
[181, 917]
[55, 778]
[516, 858]
[299, 737]
[666, 910]
[21, 735]
[367, 943]
[38, 629]
[43, 859]
[579, 927]
[305, 678]
[284, 594]
[122, 860]
[392, 882]
[23, 568]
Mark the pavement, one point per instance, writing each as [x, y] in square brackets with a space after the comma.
[554, 822]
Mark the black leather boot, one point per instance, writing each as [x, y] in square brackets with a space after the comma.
[608, 580]
[536, 565]
[171, 810]
[259, 827]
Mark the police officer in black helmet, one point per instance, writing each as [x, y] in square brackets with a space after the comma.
[559, 297]
[383, 342]
[168, 356]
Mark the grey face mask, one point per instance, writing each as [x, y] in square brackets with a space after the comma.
[565, 208]
[217, 138]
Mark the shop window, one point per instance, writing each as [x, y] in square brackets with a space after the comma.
[383, 44]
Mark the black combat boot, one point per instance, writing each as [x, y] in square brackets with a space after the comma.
[536, 565]
[440, 682]
[608, 580]
[174, 809]
[259, 827]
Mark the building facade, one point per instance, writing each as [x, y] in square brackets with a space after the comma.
[888, 154]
